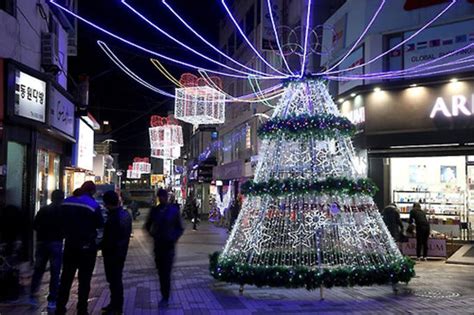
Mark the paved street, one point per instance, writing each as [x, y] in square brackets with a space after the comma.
[438, 289]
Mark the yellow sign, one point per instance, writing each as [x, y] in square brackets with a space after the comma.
[155, 179]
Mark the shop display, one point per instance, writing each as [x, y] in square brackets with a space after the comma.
[308, 219]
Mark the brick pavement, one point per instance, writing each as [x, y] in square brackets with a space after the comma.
[438, 289]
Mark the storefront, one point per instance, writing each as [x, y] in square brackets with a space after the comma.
[420, 148]
[35, 139]
[83, 154]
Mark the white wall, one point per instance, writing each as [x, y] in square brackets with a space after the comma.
[21, 41]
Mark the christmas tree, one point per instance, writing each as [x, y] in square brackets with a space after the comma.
[309, 219]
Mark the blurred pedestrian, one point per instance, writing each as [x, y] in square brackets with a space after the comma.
[81, 218]
[235, 210]
[422, 227]
[194, 212]
[117, 232]
[165, 226]
[49, 247]
[392, 220]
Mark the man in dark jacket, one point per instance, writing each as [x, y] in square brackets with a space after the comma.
[165, 226]
[418, 217]
[117, 232]
[81, 219]
[49, 247]
[391, 218]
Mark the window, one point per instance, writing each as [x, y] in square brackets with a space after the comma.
[8, 6]
[394, 60]
[249, 20]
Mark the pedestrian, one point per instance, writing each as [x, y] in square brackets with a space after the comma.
[117, 230]
[392, 220]
[418, 217]
[195, 212]
[164, 225]
[49, 247]
[81, 218]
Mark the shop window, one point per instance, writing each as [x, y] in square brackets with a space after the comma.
[16, 175]
[47, 172]
[8, 6]
[394, 60]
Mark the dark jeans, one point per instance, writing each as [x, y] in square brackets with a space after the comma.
[74, 259]
[164, 256]
[113, 265]
[52, 252]
[422, 235]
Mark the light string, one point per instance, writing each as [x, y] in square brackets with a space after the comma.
[165, 72]
[396, 46]
[252, 47]
[182, 63]
[203, 39]
[144, 18]
[277, 39]
[372, 20]
[305, 41]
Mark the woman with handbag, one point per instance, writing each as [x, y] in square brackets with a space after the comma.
[394, 224]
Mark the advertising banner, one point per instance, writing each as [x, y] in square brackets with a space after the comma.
[85, 146]
[438, 41]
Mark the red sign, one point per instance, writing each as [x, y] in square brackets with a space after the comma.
[417, 4]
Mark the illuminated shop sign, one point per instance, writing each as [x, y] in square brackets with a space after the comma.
[457, 105]
[30, 97]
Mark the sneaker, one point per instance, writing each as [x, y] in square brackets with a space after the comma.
[33, 302]
[163, 303]
[51, 305]
[425, 259]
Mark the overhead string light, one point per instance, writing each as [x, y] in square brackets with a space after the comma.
[251, 46]
[213, 60]
[133, 44]
[305, 42]
[105, 48]
[394, 47]
[204, 40]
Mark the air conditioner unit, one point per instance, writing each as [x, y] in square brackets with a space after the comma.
[49, 53]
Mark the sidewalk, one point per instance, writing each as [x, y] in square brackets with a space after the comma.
[438, 289]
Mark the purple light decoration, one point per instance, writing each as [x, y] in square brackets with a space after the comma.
[248, 41]
[207, 42]
[269, 4]
[377, 75]
[396, 46]
[374, 17]
[414, 75]
[421, 67]
[137, 78]
[140, 15]
[305, 43]
[148, 50]
[129, 72]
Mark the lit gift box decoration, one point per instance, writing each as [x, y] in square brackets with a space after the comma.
[198, 102]
[165, 133]
[141, 165]
[133, 174]
[172, 153]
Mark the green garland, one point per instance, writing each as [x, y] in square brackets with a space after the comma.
[320, 126]
[331, 185]
[310, 278]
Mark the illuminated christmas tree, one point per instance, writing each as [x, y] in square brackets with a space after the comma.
[309, 219]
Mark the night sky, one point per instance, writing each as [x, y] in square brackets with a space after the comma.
[116, 97]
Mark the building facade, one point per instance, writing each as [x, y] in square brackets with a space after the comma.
[38, 128]
[415, 133]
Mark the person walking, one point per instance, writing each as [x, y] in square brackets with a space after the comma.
[418, 217]
[195, 212]
[392, 220]
[117, 232]
[49, 247]
[81, 218]
[164, 225]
